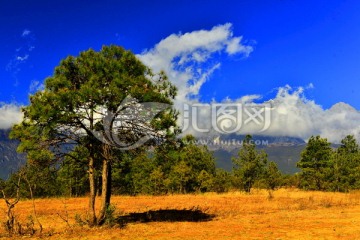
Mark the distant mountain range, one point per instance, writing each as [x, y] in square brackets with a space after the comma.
[10, 160]
[285, 151]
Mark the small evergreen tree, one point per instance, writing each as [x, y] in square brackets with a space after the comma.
[250, 165]
[315, 163]
[205, 181]
[273, 176]
[346, 165]
[222, 181]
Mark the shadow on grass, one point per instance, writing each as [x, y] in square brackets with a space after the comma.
[165, 215]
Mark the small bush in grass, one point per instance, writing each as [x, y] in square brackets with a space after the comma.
[109, 216]
[79, 220]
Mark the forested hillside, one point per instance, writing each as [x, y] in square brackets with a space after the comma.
[10, 160]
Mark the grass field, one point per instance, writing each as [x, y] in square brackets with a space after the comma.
[285, 214]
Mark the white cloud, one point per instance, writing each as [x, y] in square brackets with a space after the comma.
[36, 86]
[21, 59]
[184, 57]
[291, 114]
[10, 114]
[22, 54]
[234, 46]
[294, 115]
[25, 33]
[249, 98]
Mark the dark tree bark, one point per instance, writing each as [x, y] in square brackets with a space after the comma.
[92, 214]
[106, 183]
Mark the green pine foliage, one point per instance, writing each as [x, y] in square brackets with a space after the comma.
[327, 169]
[346, 166]
[273, 177]
[249, 166]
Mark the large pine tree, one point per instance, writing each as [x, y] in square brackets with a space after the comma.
[62, 119]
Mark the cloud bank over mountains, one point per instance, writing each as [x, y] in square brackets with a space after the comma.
[292, 114]
[10, 114]
[190, 59]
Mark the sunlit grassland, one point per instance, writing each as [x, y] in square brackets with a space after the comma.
[283, 214]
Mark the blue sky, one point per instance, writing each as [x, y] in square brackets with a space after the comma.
[312, 45]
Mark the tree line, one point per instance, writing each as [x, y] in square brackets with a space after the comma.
[183, 167]
[173, 167]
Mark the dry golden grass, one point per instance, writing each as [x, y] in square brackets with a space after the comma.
[287, 214]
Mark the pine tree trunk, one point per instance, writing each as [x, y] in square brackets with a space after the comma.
[108, 192]
[106, 185]
[92, 214]
[92, 197]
